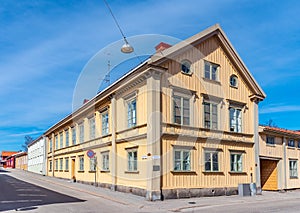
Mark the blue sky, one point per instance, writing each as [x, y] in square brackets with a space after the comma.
[44, 45]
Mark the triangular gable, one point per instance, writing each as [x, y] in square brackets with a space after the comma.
[217, 31]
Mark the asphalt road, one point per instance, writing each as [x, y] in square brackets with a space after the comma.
[20, 196]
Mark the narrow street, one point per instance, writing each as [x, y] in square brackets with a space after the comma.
[24, 191]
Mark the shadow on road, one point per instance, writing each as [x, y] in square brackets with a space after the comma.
[22, 196]
[3, 171]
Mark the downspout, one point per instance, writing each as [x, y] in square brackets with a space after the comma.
[284, 163]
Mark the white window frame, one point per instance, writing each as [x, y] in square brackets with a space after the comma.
[56, 142]
[210, 71]
[211, 154]
[211, 106]
[81, 132]
[81, 163]
[236, 164]
[67, 137]
[61, 140]
[105, 123]
[181, 164]
[131, 112]
[50, 165]
[290, 144]
[50, 144]
[293, 167]
[132, 160]
[93, 164]
[56, 164]
[181, 110]
[235, 119]
[105, 161]
[67, 164]
[73, 130]
[61, 164]
[92, 128]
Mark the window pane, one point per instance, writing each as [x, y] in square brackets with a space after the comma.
[207, 162]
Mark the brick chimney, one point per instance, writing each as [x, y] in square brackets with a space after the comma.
[85, 100]
[162, 46]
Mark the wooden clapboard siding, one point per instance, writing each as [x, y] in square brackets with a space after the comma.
[198, 178]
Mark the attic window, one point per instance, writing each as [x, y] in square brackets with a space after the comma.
[233, 81]
[186, 67]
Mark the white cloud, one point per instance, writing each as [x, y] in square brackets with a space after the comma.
[279, 109]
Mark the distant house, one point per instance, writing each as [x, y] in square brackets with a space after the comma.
[37, 156]
[183, 123]
[279, 153]
[21, 160]
[4, 158]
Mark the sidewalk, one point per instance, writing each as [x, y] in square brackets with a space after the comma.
[139, 204]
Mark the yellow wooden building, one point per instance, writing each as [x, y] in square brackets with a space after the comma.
[279, 158]
[21, 161]
[184, 123]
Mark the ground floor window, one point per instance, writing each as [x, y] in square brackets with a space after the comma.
[81, 163]
[182, 160]
[56, 164]
[293, 169]
[105, 161]
[61, 164]
[66, 164]
[50, 165]
[132, 159]
[93, 164]
[211, 161]
[236, 162]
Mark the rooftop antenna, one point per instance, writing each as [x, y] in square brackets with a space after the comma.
[107, 76]
[126, 48]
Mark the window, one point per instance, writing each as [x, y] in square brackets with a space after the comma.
[61, 140]
[211, 161]
[293, 169]
[291, 143]
[105, 161]
[132, 160]
[81, 163]
[73, 135]
[93, 164]
[50, 145]
[67, 137]
[236, 162]
[105, 124]
[81, 133]
[56, 141]
[233, 81]
[131, 113]
[186, 67]
[66, 164]
[211, 70]
[270, 140]
[50, 165]
[56, 164]
[92, 128]
[181, 110]
[61, 164]
[235, 119]
[210, 115]
[298, 144]
[182, 160]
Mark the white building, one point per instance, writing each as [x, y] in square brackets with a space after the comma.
[37, 156]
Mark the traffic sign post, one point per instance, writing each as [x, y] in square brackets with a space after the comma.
[91, 154]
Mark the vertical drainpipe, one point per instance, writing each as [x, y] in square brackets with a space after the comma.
[53, 147]
[284, 163]
[256, 148]
[113, 144]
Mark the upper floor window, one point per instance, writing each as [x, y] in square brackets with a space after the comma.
[291, 143]
[233, 81]
[50, 145]
[270, 140]
[131, 113]
[67, 137]
[182, 160]
[92, 128]
[105, 124]
[61, 139]
[81, 132]
[235, 119]
[186, 67]
[210, 115]
[56, 141]
[181, 110]
[73, 135]
[211, 71]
